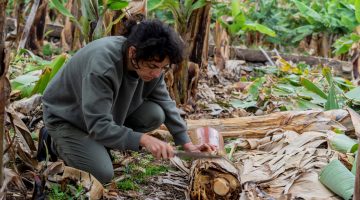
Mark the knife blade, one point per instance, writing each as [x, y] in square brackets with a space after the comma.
[195, 155]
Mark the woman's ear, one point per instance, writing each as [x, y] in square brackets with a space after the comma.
[132, 52]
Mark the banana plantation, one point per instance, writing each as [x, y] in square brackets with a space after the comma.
[271, 88]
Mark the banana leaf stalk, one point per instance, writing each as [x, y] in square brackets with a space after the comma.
[213, 178]
[338, 179]
[342, 143]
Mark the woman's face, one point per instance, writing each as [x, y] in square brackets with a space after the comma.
[149, 70]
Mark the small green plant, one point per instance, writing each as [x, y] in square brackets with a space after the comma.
[70, 192]
[140, 171]
[127, 184]
[49, 50]
[57, 193]
[227, 150]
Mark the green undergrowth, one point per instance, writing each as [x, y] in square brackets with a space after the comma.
[139, 171]
[70, 192]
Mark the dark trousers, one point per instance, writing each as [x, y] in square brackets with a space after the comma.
[78, 150]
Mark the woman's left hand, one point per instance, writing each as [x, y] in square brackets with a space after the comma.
[199, 148]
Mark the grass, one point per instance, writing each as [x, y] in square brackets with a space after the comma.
[127, 184]
[70, 192]
[140, 171]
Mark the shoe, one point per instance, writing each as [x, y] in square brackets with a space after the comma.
[46, 142]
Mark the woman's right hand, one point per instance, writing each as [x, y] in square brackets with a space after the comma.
[158, 148]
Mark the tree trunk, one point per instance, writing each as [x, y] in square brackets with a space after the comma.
[195, 34]
[355, 59]
[314, 45]
[341, 68]
[70, 35]
[213, 178]
[325, 47]
[29, 24]
[20, 19]
[222, 48]
[37, 31]
[259, 126]
[3, 82]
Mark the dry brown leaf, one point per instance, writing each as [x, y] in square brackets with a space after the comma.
[308, 186]
[29, 160]
[11, 177]
[275, 172]
[21, 128]
[26, 105]
[302, 140]
[89, 182]
[355, 118]
[295, 160]
[163, 135]
[205, 92]
[54, 168]
[180, 164]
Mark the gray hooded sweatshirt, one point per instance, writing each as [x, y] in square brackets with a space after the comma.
[95, 92]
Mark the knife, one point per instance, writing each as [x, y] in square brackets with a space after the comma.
[195, 155]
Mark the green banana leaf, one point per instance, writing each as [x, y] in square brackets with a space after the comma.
[353, 94]
[255, 86]
[198, 4]
[242, 104]
[310, 14]
[56, 64]
[261, 28]
[338, 179]
[313, 97]
[61, 8]
[312, 87]
[306, 105]
[332, 101]
[357, 10]
[117, 4]
[24, 83]
[43, 81]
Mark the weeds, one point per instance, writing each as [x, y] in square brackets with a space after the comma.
[140, 171]
[70, 192]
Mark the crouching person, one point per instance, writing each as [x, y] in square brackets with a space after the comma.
[109, 94]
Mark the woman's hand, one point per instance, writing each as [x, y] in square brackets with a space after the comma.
[198, 148]
[156, 147]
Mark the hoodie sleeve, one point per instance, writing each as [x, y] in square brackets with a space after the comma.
[173, 120]
[97, 100]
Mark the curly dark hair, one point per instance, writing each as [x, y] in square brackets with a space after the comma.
[154, 40]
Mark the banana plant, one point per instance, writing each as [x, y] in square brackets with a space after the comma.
[332, 16]
[344, 43]
[239, 23]
[187, 16]
[31, 83]
[181, 12]
[91, 23]
[281, 17]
